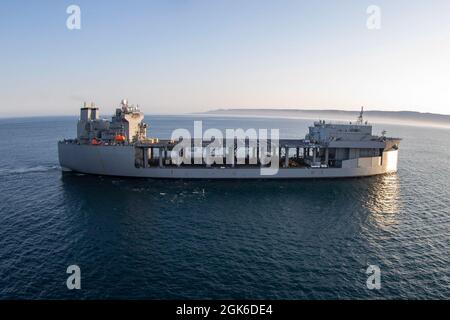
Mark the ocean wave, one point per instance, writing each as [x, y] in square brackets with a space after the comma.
[25, 170]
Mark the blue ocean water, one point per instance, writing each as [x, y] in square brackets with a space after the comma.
[157, 239]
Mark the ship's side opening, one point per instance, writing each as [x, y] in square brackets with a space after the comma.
[288, 156]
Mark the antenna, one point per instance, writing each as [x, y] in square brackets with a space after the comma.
[360, 117]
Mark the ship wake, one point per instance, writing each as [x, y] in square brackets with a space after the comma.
[25, 170]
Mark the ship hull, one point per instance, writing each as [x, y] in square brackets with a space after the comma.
[120, 161]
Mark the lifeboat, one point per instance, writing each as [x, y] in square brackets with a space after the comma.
[120, 138]
[96, 142]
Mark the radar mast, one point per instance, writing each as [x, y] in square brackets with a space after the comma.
[360, 117]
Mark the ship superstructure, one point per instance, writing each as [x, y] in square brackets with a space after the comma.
[125, 126]
[120, 147]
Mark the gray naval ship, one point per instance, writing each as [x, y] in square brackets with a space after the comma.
[120, 147]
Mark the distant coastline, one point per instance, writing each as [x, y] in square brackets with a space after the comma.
[395, 117]
[373, 116]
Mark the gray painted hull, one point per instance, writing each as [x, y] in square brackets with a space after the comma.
[120, 161]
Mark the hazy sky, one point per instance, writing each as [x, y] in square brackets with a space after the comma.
[178, 56]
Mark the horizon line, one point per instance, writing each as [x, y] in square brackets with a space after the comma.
[238, 109]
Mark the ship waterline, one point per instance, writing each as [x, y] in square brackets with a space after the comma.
[121, 148]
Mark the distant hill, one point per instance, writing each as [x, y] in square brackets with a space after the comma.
[399, 117]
